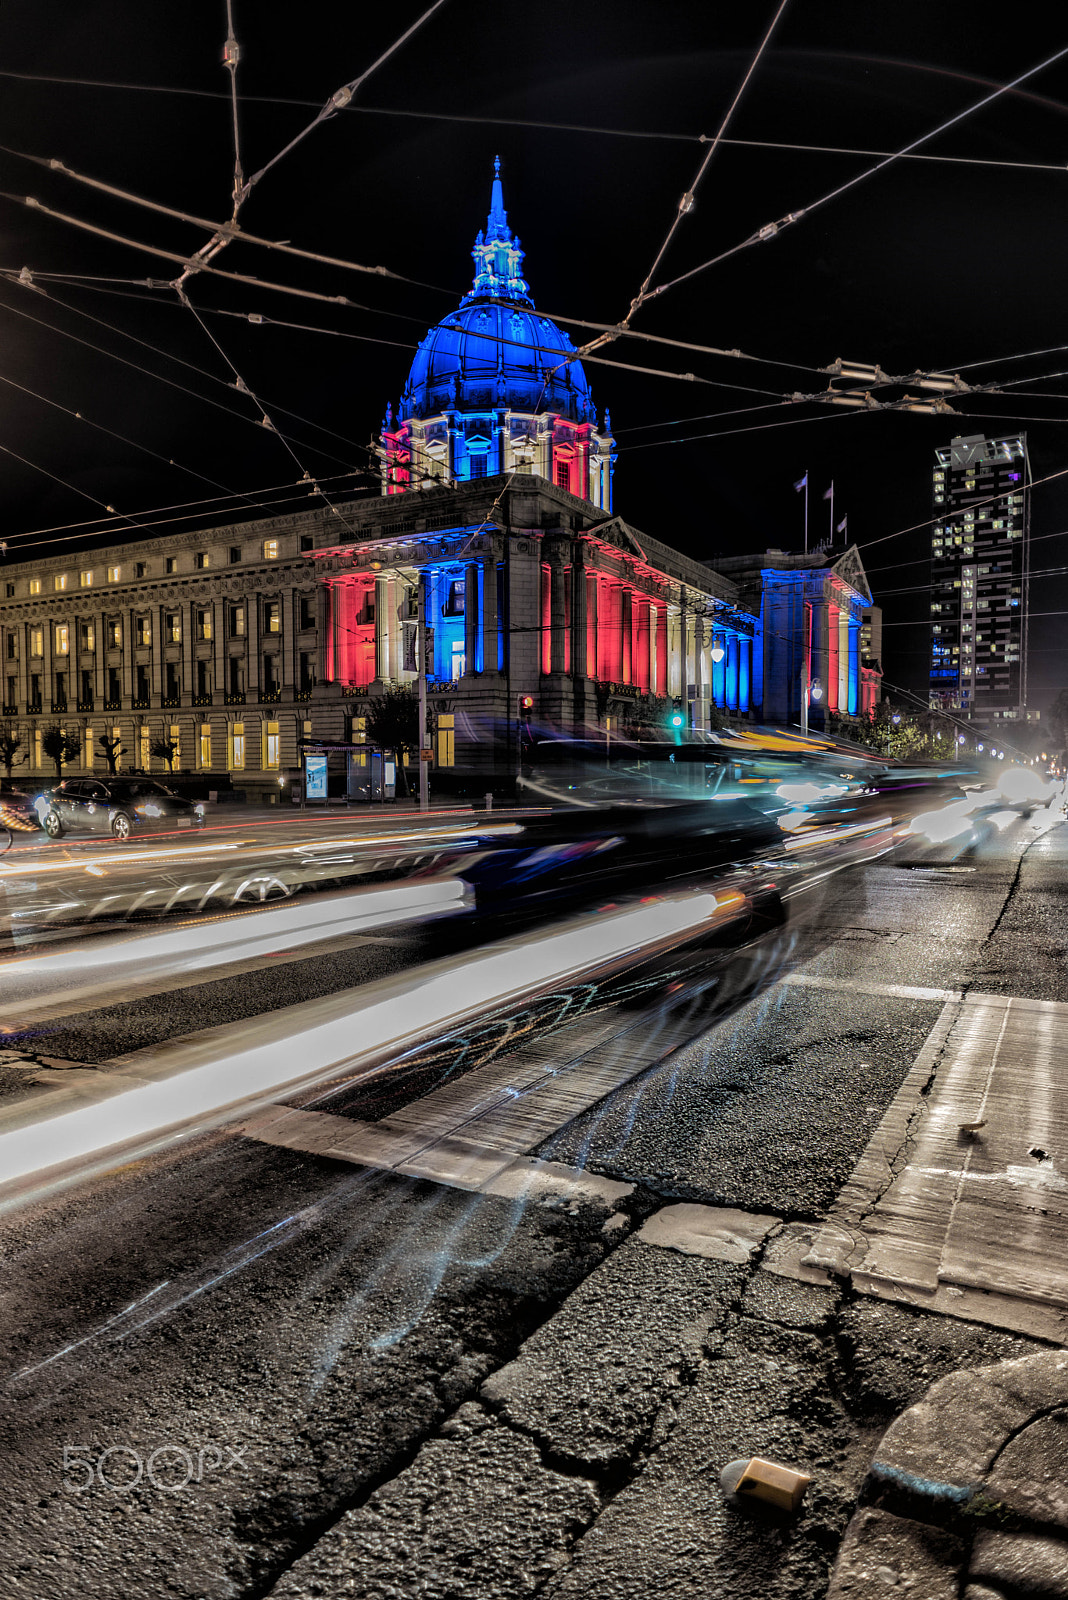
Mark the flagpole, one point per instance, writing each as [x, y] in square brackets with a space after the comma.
[806, 511]
[832, 511]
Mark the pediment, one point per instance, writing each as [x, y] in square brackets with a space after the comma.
[615, 532]
[850, 568]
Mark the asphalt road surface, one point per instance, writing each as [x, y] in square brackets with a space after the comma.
[444, 1332]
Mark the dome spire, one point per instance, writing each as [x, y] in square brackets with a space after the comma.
[497, 254]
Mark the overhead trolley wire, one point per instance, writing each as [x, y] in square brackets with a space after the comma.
[539, 124]
[182, 388]
[773, 229]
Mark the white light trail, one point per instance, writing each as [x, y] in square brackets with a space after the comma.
[240, 937]
[384, 1020]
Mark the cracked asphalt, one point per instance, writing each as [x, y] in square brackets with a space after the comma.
[452, 1395]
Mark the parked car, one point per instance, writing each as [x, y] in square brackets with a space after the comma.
[119, 806]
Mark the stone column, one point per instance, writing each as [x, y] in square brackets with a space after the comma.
[557, 612]
[218, 651]
[100, 656]
[732, 671]
[188, 648]
[252, 658]
[490, 622]
[382, 661]
[579, 623]
[844, 643]
[471, 619]
[24, 666]
[592, 624]
[393, 629]
[126, 645]
[854, 667]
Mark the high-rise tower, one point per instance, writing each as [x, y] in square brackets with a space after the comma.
[979, 575]
[495, 387]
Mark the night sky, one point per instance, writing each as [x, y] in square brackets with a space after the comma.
[936, 265]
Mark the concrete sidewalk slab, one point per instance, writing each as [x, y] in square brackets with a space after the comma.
[983, 1458]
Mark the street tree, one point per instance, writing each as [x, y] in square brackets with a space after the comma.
[164, 750]
[60, 746]
[393, 725]
[111, 749]
[10, 745]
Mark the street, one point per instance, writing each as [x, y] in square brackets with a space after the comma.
[494, 1323]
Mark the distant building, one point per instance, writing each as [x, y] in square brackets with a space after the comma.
[980, 561]
[813, 602]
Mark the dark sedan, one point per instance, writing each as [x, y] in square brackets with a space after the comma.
[119, 806]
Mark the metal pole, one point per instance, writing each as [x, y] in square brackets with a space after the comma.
[424, 737]
[806, 663]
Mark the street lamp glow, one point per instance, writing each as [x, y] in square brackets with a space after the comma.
[718, 652]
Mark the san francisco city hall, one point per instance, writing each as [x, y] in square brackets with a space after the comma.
[239, 643]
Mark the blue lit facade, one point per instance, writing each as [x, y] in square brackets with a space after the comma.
[496, 388]
[808, 605]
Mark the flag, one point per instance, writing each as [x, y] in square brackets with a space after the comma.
[802, 483]
[842, 525]
[828, 494]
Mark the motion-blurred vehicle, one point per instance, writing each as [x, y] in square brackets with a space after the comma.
[17, 813]
[119, 806]
[580, 855]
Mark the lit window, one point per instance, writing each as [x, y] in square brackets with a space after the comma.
[203, 559]
[237, 621]
[144, 739]
[205, 746]
[114, 574]
[204, 624]
[88, 636]
[62, 639]
[174, 734]
[35, 585]
[272, 744]
[114, 635]
[59, 580]
[85, 579]
[36, 641]
[144, 630]
[237, 747]
[174, 628]
[171, 564]
[272, 616]
[270, 549]
[446, 740]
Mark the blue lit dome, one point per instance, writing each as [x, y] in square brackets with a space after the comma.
[496, 351]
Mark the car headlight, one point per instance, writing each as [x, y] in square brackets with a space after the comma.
[149, 809]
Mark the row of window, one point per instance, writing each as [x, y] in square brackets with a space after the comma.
[202, 560]
[172, 628]
[233, 683]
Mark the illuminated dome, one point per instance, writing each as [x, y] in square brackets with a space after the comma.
[496, 350]
[492, 389]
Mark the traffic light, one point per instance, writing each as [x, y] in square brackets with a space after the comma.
[525, 706]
